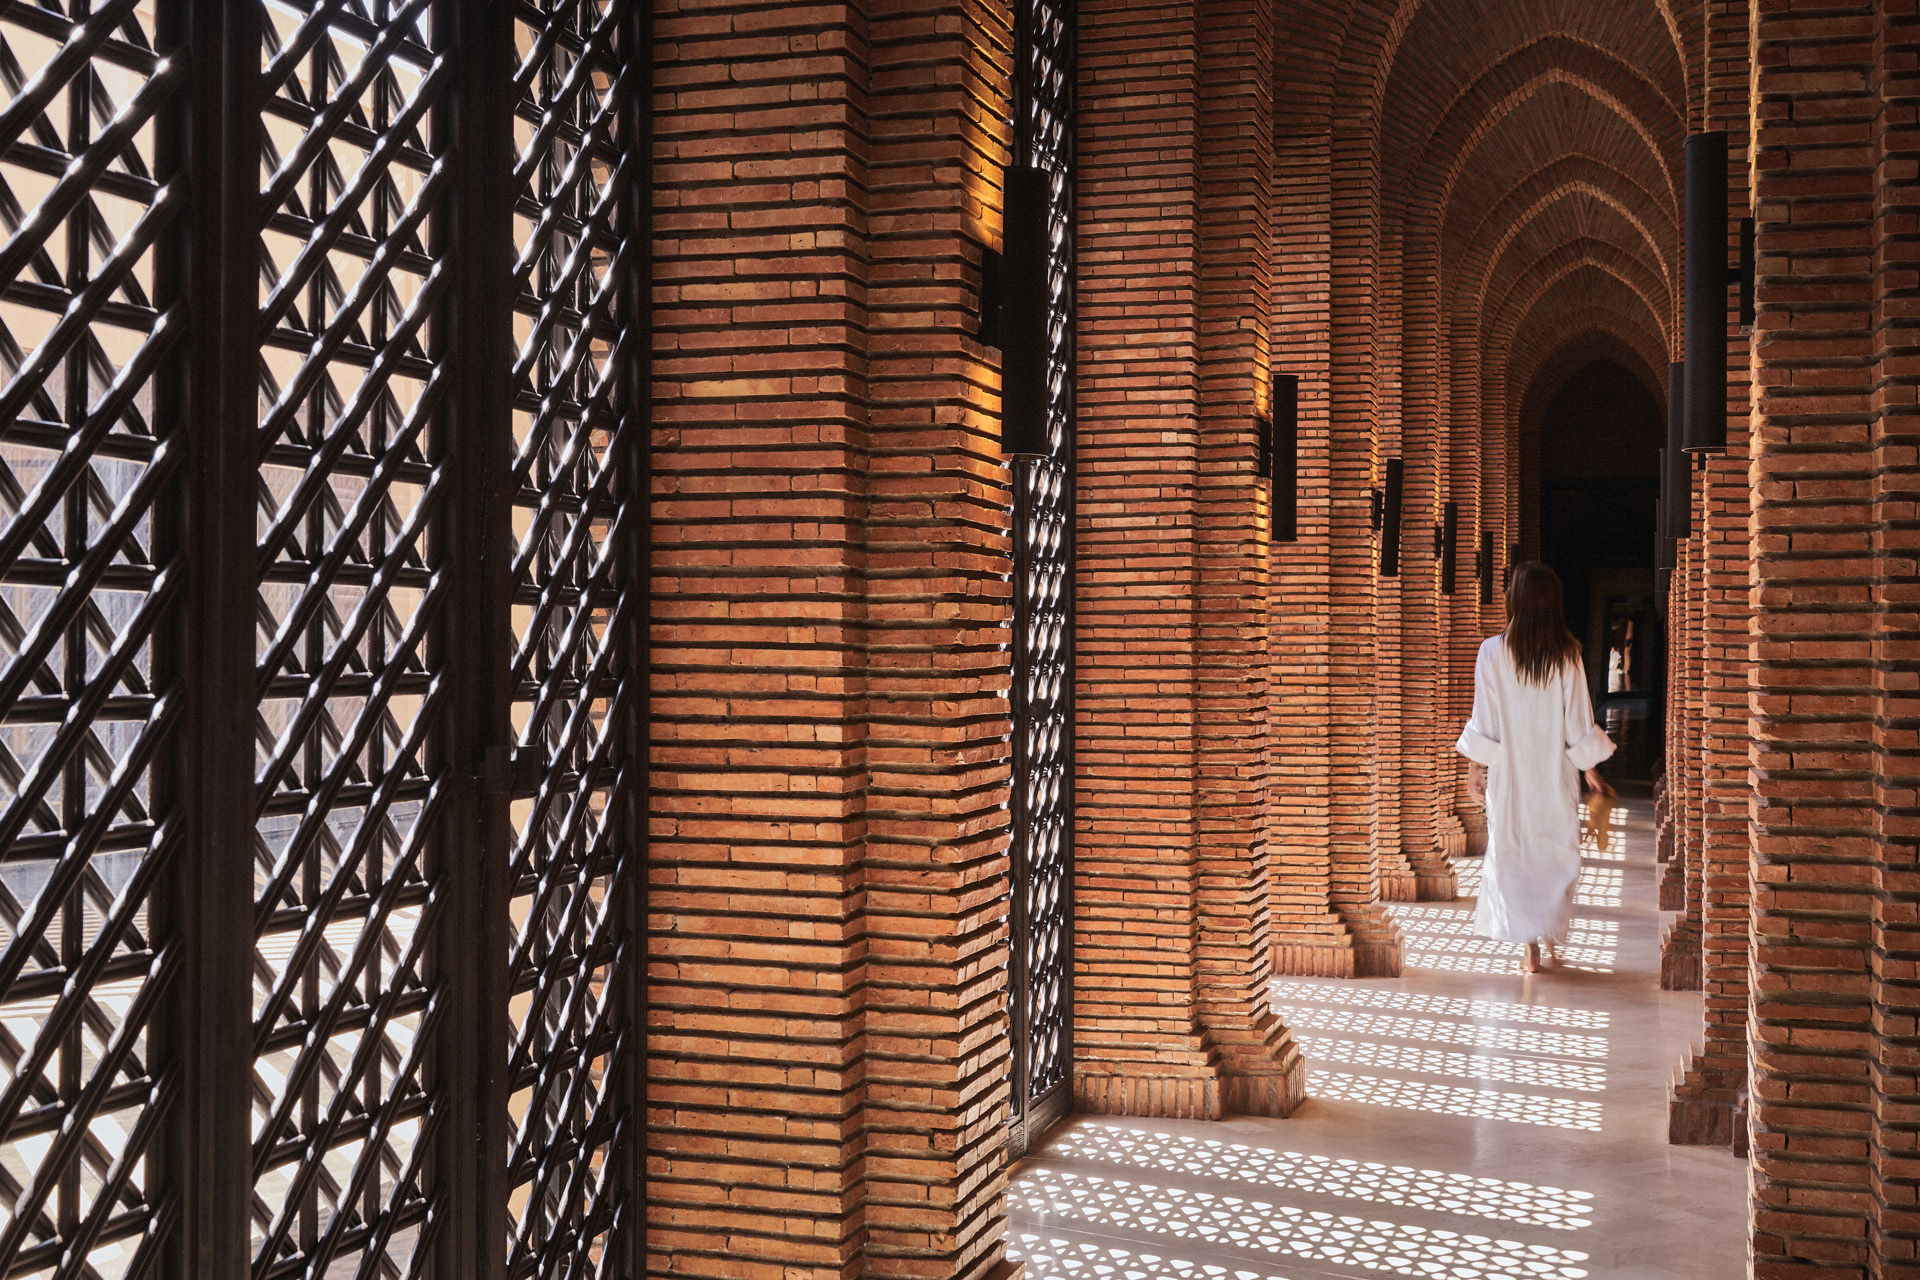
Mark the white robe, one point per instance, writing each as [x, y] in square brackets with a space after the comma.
[1534, 740]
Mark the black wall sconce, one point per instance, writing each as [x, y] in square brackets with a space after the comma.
[1283, 457]
[1676, 496]
[1390, 504]
[1483, 566]
[1747, 270]
[1447, 541]
[1020, 306]
[1706, 319]
[1662, 520]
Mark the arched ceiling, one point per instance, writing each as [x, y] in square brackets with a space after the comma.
[1528, 158]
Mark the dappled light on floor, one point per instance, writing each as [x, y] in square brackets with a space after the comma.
[1465, 1121]
[1098, 1204]
[1459, 1066]
[1450, 1100]
[1306, 1019]
[1441, 937]
[1402, 1185]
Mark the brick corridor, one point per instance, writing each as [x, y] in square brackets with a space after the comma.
[1463, 1121]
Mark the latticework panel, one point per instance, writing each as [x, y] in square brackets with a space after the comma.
[573, 424]
[1043, 589]
[353, 285]
[86, 584]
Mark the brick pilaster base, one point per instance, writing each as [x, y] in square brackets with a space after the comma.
[1681, 965]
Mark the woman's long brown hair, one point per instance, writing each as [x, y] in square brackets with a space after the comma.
[1537, 634]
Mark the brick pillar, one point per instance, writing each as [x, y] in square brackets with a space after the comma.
[1171, 941]
[1814, 831]
[1468, 623]
[1430, 837]
[1895, 462]
[1680, 882]
[1327, 918]
[1390, 680]
[1707, 1095]
[828, 873]
[758, 753]
[934, 855]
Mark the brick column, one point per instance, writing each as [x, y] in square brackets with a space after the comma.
[1171, 943]
[828, 863]
[1680, 882]
[757, 956]
[1706, 1096]
[1814, 829]
[1895, 594]
[934, 855]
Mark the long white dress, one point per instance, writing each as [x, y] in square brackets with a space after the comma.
[1534, 740]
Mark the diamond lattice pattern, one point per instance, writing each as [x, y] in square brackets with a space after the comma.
[573, 424]
[86, 586]
[352, 285]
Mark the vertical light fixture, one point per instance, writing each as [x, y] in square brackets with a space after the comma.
[1283, 457]
[1676, 497]
[1449, 547]
[1390, 518]
[1484, 563]
[1706, 306]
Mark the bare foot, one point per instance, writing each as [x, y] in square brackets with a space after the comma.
[1530, 962]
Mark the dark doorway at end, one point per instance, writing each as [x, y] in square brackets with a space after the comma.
[1600, 441]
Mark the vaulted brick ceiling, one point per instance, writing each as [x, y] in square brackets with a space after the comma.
[1529, 157]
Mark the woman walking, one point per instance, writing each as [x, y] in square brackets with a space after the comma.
[1531, 736]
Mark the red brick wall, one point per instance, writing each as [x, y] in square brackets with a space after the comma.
[829, 600]
[1817, 870]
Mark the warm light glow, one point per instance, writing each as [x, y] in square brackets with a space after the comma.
[1103, 1206]
[1402, 1186]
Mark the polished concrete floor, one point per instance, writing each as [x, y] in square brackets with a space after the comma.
[1464, 1122]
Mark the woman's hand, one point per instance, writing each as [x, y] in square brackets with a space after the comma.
[1477, 782]
[1598, 784]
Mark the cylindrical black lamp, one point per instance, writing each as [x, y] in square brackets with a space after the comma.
[1283, 455]
[1706, 330]
[1024, 304]
[1676, 472]
[1485, 566]
[1449, 546]
[1748, 273]
[1663, 533]
[1390, 518]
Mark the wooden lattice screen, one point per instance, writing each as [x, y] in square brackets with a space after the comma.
[322, 497]
[1042, 890]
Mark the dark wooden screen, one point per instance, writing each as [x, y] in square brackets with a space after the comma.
[322, 490]
[1042, 890]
